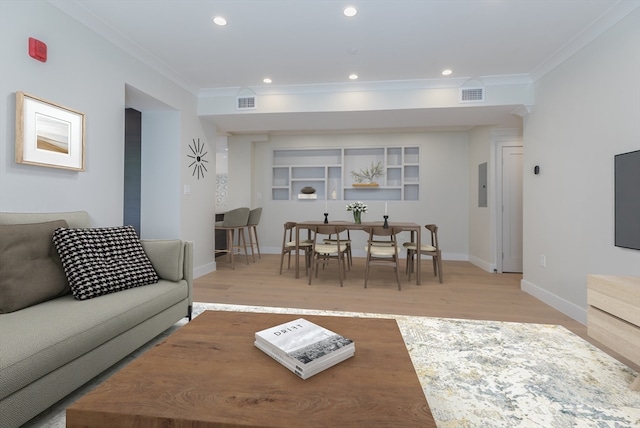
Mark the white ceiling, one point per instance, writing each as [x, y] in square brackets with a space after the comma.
[298, 43]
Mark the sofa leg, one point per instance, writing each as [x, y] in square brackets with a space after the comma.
[190, 312]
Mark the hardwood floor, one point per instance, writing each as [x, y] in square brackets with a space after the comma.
[468, 292]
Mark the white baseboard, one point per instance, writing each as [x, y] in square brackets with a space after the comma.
[203, 270]
[569, 309]
[482, 264]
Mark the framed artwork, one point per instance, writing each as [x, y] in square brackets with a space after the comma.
[48, 134]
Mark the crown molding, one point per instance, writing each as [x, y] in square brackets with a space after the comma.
[77, 11]
[611, 17]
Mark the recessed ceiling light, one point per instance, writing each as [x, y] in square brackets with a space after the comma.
[267, 80]
[353, 76]
[218, 20]
[446, 72]
[350, 11]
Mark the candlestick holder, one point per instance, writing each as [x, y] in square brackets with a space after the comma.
[386, 223]
[326, 218]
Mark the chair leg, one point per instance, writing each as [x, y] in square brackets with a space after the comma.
[435, 265]
[406, 267]
[253, 254]
[230, 249]
[409, 268]
[282, 259]
[345, 266]
[255, 235]
[397, 274]
[440, 268]
[349, 256]
[366, 270]
[313, 262]
[244, 243]
[307, 260]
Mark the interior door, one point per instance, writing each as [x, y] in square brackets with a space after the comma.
[512, 209]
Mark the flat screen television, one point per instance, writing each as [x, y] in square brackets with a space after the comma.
[627, 200]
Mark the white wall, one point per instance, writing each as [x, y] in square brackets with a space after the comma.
[160, 205]
[586, 111]
[480, 230]
[444, 159]
[89, 74]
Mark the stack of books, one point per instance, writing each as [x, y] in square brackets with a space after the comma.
[303, 347]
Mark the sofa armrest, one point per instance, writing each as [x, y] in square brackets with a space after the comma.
[172, 260]
[188, 271]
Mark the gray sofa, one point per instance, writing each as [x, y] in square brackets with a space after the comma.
[49, 349]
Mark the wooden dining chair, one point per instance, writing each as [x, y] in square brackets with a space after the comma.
[289, 246]
[382, 251]
[347, 242]
[323, 253]
[432, 250]
[234, 221]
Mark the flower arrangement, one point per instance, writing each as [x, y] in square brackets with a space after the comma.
[357, 207]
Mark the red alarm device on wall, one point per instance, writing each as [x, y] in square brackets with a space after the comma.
[37, 49]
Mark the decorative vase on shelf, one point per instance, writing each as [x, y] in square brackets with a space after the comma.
[357, 217]
[308, 190]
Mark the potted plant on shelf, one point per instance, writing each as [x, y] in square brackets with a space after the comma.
[366, 176]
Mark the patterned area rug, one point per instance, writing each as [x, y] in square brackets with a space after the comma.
[487, 373]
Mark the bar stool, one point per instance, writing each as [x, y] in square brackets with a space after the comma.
[234, 220]
[252, 226]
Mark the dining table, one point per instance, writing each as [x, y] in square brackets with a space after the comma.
[413, 228]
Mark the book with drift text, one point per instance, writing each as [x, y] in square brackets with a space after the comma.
[303, 347]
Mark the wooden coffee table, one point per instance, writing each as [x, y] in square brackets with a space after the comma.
[209, 374]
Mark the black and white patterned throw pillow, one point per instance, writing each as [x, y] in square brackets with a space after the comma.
[99, 261]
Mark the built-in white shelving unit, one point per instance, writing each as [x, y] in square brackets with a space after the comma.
[329, 172]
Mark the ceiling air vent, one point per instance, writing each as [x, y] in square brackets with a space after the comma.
[471, 95]
[246, 103]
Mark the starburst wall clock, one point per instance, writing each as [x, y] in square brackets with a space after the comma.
[197, 158]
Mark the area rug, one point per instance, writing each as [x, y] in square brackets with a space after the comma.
[486, 373]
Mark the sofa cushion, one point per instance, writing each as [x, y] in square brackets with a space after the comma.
[47, 336]
[167, 257]
[100, 261]
[30, 270]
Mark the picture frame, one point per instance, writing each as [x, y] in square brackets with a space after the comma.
[48, 134]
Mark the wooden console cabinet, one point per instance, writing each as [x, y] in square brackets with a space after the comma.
[613, 315]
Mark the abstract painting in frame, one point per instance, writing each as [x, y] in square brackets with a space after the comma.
[48, 134]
